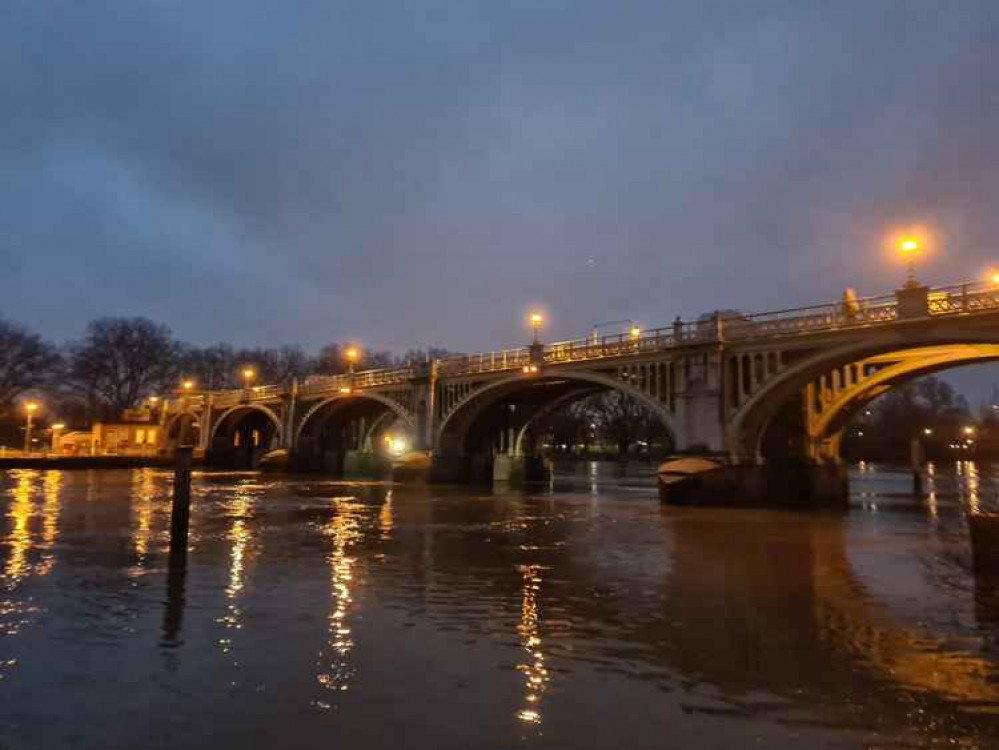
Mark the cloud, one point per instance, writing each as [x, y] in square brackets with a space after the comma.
[419, 173]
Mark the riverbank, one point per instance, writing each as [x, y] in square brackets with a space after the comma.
[83, 462]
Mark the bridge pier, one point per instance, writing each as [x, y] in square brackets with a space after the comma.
[517, 470]
[699, 419]
[365, 463]
[782, 484]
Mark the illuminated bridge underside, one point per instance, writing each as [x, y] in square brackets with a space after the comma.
[721, 385]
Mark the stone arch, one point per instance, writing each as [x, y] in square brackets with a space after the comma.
[347, 397]
[278, 429]
[745, 429]
[464, 413]
[378, 423]
[242, 435]
[334, 435]
[169, 437]
[551, 408]
[832, 419]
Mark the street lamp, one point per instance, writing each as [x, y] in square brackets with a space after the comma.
[352, 356]
[30, 408]
[248, 375]
[537, 320]
[969, 430]
[909, 249]
[636, 332]
[187, 385]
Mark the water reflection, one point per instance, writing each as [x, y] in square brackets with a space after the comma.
[19, 538]
[972, 485]
[343, 531]
[858, 625]
[529, 629]
[25, 514]
[386, 521]
[240, 509]
[932, 502]
[176, 592]
[685, 619]
[142, 506]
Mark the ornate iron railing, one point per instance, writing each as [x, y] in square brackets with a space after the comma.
[967, 298]
[471, 364]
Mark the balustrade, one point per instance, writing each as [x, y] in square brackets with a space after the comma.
[871, 311]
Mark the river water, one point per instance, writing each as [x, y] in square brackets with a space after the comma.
[319, 614]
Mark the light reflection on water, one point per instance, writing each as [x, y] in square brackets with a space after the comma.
[343, 531]
[533, 668]
[411, 608]
[239, 509]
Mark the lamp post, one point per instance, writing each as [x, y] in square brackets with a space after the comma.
[30, 408]
[352, 355]
[913, 299]
[909, 249]
[537, 320]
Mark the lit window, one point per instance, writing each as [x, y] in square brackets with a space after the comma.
[151, 437]
[140, 437]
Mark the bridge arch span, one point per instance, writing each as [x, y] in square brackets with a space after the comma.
[243, 434]
[549, 409]
[177, 428]
[338, 434]
[228, 418]
[930, 351]
[455, 425]
[308, 420]
[846, 404]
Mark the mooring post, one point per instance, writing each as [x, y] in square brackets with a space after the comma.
[180, 514]
[916, 459]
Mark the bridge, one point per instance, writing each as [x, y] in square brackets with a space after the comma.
[752, 390]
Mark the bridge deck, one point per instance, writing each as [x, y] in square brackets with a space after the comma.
[960, 299]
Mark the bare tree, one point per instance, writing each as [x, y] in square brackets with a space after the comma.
[120, 362]
[624, 420]
[276, 366]
[26, 362]
[214, 367]
[332, 359]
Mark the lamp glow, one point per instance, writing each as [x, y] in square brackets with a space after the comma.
[909, 248]
[537, 320]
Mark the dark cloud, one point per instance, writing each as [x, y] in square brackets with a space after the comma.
[412, 173]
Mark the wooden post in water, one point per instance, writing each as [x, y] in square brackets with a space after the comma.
[180, 514]
[916, 459]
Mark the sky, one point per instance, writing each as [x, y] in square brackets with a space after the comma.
[414, 173]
